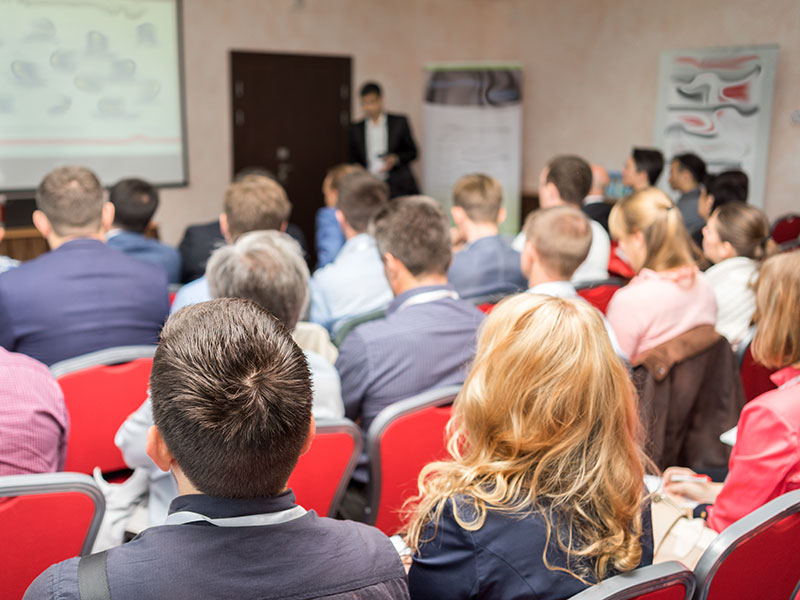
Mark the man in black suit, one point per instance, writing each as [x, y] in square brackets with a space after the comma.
[383, 143]
[595, 205]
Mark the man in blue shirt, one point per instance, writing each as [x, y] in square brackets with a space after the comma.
[427, 339]
[354, 283]
[135, 201]
[231, 401]
[487, 264]
[329, 236]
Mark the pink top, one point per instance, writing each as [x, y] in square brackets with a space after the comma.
[33, 419]
[656, 307]
[765, 462]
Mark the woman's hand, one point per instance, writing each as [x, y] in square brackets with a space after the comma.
[684, 483]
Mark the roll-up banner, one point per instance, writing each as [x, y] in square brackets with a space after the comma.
[473, 124]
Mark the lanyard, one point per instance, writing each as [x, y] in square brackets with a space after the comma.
[275, 518]
[426, 297]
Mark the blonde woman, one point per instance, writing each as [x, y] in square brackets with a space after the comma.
[543, 492]
[765, 462]
[668, 296]
[735, 239]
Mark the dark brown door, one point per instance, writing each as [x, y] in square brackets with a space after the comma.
[291, 114]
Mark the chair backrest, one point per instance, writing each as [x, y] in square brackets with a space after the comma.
[665, 581]
[755, 376]
[44, 519]
[755, 557]
[343, 330]
[101, 390]
[402, 439]
[322, 474]
[786, 229]
[599, 293]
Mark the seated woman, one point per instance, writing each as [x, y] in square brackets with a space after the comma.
[765, 462]
[735, 238]
[543, 492]
[668, 296]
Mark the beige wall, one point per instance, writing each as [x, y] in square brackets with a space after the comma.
[590, 70]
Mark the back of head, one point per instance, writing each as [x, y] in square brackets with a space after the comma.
[600, 180]
[649, 160]
[231, 397]
[361, 196]
[72, 200]
[561, 236]
[572, 177]
[334, 175]
[745, 227]
[692, 163]
[481, 197]
[415, 230]
[651, 212]
[726, 187]
[547, 420]
[135, 201]
[254, 171]
[255, 203]
[266, 267]
[777, 340]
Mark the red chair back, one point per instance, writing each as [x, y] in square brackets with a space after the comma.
[44, 519]
[755, 376]
[322, 474]
[664, 581]
[599, 293]
[786, 229]
[100, 393]
[402, 439]
[755, 557]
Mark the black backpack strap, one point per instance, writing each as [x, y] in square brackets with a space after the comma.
[93, 578]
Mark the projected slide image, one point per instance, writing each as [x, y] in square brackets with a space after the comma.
[88, 78]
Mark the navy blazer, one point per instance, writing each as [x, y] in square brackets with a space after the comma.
[149, 250]
[399, 141]
[502, 559]
[81, 297]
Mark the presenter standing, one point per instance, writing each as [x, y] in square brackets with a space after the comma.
[382, 142]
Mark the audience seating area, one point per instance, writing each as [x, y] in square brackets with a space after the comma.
[664, 581]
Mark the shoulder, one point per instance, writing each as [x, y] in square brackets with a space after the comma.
[58, 581]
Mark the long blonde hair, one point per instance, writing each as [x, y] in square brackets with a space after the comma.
[658, 218]
[777, 340]
[546, 421]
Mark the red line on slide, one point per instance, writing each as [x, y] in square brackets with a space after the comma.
[89, 141]
[716, 63]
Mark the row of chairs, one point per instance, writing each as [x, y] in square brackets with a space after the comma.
[756, 557]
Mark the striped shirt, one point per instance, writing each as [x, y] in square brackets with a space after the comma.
[33, 419]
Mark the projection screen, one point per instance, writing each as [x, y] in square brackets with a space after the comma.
[91, 82]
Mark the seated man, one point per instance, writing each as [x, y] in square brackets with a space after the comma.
[487, 264]
[686, 173]
[33, 419]
[81, 296]
[354, 283]
[232, 409]
[557, 241]
[427, 339]
[135, 201]
[643, 168]
[329, 236]
[595, 205]
[268, 268]
[255, 203]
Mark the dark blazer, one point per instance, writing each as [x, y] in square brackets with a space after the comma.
[81, 297]
[149, 250]
[199, 241]
[400, 141]
[598, 211]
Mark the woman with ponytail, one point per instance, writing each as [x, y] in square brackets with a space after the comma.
[735, 239]
[542, 494]
[668, 296]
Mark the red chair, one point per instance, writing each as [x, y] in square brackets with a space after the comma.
[44, 519]
[101, 390]
[599, 293]
[664, 581]
[756, 557]
[755, 376]
[786, 229]
[322, 474]
[402, 439]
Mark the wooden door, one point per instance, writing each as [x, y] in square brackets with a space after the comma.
[291, 114]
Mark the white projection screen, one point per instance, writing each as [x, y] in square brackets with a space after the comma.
[96, 83]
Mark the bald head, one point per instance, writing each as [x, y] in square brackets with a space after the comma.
[599, 181]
